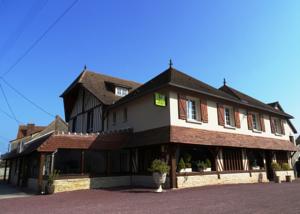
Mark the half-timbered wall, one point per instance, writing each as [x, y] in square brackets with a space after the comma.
[85, 103]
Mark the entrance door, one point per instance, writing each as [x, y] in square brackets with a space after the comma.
[270, 173]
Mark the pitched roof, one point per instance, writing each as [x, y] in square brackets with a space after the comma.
[173, 77]
[276, 105]
[98, 85]
[29, 129]
[247, 100]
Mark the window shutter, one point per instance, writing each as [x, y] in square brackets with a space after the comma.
[282, 127]
[203, 111]
[237, 118]
[250, 122]
[272, 125]
[221, 120]
[182, 107]
[262, 122]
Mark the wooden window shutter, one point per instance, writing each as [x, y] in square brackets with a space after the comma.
[203, 110]
[182, 107]
[262, 122]
[282, 127]
[272, 125]
[250, 121]
[237, 118]
[221, 120]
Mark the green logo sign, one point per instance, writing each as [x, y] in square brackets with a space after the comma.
[160, 99]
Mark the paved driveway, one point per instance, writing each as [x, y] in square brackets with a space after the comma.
[8, 191]
[249, 198]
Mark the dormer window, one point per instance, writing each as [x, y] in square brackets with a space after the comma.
[119, 91]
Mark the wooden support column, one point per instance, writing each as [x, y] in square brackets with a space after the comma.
[108, 163]
[20, 166]
[5, 168]
[9, 171]
[173, 167]
[82, 162]
[41, 172]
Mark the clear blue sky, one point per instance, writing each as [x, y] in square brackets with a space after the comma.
[254, 44]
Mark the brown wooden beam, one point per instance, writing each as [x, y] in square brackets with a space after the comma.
[41, 173]
[19, 171]
[5, 168]
[9, 172]
[82, 162]
[173, 167]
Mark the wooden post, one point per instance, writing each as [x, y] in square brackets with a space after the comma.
[82, 162]
[9, 171]
[41, 172]
[20, 171]
[5, 168]
[108, 163]
[173, 167]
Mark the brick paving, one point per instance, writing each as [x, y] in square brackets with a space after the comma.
[247, 198]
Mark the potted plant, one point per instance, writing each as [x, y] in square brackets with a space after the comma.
[286, 167]
[254, 165]
[208, 165]
[159, 169]
[201, 166]
[187, 160]
[275, 166]
[181, 165]
[50, 183]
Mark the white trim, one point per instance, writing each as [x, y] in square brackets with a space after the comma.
[39, 137]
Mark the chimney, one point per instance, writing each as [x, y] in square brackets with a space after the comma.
[30, 129]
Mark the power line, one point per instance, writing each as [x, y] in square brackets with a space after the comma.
[24, 97]
[9, 116]
[36, 42]
[8, 105]
[28, 19]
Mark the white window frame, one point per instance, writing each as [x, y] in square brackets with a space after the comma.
[256, 122]
[120, 91]
[188, 111]
[231, 117]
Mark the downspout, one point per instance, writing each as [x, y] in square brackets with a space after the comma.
[52, 160]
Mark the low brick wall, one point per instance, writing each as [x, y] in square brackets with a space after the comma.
[283, 173]
[225, 178]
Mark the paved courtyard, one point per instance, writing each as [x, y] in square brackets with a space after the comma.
[249, 198]
[7, 191]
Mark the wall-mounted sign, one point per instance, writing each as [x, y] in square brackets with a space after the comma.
[160, 99]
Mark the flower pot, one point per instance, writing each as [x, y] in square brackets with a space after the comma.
[185, 170]
[277, 179]
[50, 188]
[288, 178]
[159, 179]
[255, 168]
[207, 169]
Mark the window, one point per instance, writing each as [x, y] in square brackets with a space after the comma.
[121, 91]
[90, 120]
[125, 115]
[114, 118]
[74, 124]
[277, 126]
[255, 122]
[228, 114]
[191, 110]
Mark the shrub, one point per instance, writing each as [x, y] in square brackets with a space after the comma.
[187, 157]
[159, 166]
[285, 166]
[275, 166]
[208, 163]
[181, 164]
[53, 176]
[201, 165]
[188, 165]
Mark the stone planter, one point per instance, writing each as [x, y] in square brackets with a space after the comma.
[288, 178]
[185, 170]
[159, 179]
[207, 169]
[277, 179]
[50, 188]
[255, 168]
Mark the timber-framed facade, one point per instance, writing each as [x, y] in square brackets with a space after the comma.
[116, 128]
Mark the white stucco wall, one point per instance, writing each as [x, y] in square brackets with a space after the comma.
[213, 125]
[142, 115]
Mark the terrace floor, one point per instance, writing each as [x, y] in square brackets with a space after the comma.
[246, 198]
